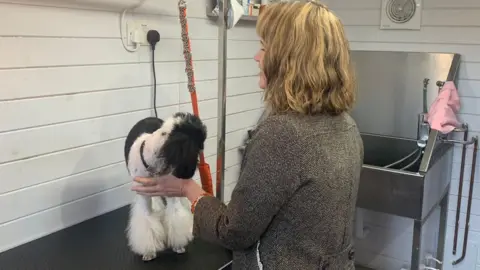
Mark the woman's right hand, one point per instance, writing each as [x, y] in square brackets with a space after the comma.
[168, 186]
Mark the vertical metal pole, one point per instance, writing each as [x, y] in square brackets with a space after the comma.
[222, 97]
[416, 244]
[442, 231]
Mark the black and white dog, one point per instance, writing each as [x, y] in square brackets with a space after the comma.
[155, 147]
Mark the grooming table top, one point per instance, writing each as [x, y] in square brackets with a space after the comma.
[100, 244]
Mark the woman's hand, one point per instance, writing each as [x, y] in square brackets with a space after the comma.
[168, 186]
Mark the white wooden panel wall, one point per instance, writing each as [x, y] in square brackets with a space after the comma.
[447, 26]
[70, 92]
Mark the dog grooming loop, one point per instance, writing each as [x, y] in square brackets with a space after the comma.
[203, 167]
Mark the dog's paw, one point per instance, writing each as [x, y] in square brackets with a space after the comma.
[149, 257]
[179, 250]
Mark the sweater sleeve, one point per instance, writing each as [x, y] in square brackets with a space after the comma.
[269, 178]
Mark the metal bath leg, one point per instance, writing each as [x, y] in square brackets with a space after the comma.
[442, 230]
[416, 244]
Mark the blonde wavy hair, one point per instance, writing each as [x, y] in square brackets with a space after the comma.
[306, 61]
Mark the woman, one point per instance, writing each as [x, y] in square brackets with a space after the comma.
[294, 203]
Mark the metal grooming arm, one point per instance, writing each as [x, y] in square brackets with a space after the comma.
[228, 16]
[224, 6]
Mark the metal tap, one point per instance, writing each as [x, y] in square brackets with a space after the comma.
[423, 128]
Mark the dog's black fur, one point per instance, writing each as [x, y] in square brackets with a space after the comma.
[182, 147]
[146, 125]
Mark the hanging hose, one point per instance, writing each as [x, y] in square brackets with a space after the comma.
[414, 161]
[403, 159]
[203, 167]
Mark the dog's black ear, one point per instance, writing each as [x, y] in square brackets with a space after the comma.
[193, 127]
[181, 154]
[184, 144]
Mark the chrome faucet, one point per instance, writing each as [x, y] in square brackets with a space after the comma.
[423, 128]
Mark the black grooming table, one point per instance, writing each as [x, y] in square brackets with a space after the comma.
[100, 244]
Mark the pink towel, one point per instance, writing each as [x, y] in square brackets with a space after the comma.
[442, 115]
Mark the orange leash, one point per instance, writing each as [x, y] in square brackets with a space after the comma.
[203, 167]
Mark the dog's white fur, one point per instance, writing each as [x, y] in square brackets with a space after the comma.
[154, 227]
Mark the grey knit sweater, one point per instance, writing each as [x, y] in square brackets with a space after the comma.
[294, 202]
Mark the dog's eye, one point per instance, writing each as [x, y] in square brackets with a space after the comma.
[164, 133]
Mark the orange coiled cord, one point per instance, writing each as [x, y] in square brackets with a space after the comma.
[203, 167]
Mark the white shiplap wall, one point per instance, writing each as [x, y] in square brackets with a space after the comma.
[70, 92]
[447, 26]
